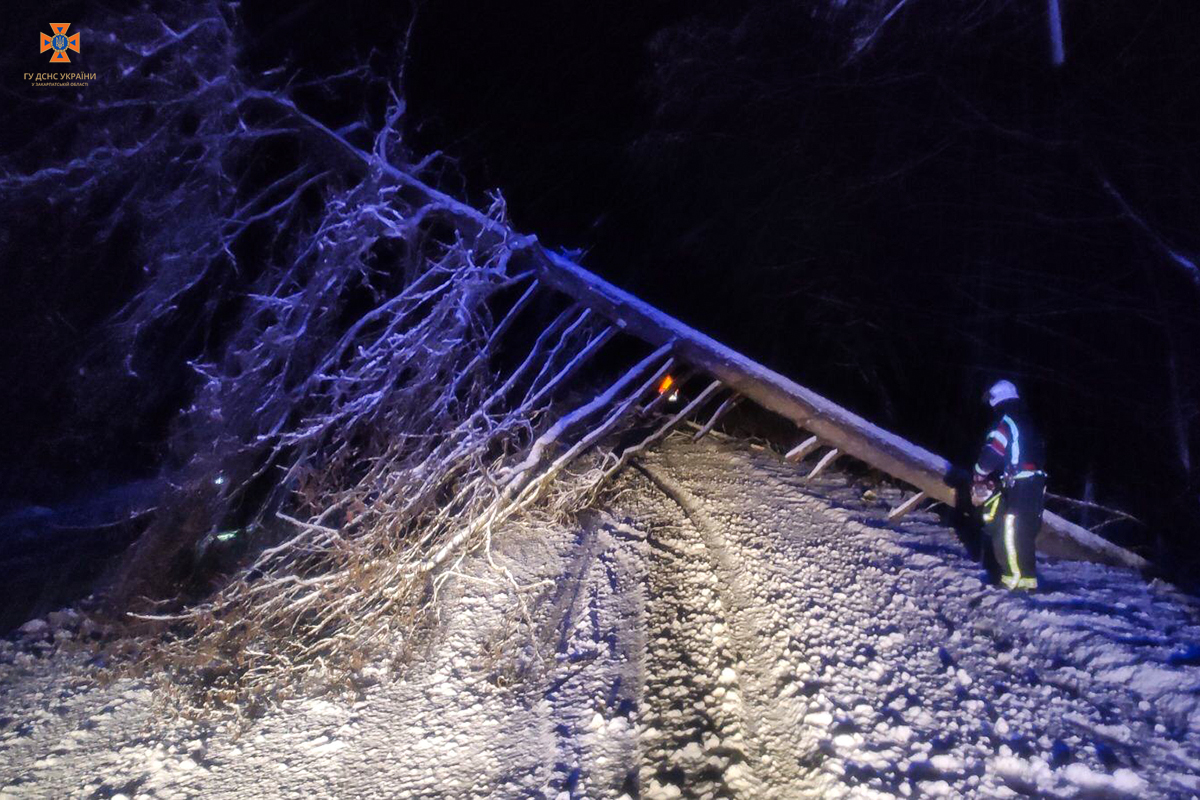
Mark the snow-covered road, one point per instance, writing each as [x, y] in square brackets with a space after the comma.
[863, 657]
[719, 629]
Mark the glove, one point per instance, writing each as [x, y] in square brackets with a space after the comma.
[981, 492]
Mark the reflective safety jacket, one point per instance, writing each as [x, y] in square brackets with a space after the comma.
[1014, 448]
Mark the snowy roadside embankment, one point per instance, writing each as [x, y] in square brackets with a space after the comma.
[719, 629]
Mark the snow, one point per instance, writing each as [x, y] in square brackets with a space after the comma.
[719, 628]
[34, 627]
[1122, 783]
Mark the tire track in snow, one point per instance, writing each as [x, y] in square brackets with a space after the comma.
[693, 729]
[594, 620]
[729, 729]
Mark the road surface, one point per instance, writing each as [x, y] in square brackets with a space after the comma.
[717, 629]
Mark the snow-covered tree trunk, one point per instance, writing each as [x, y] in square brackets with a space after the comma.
[826, 421]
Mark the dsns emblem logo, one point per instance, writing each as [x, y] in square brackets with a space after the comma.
[60, 43]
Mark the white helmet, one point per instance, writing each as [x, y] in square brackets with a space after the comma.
[1001, 391]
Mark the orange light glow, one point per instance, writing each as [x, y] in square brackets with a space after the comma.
[666, 384]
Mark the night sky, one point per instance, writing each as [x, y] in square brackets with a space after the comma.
[893, 217]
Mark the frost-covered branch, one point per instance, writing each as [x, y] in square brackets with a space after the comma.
[373, 380]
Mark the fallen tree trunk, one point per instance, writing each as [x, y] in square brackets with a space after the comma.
[832, 424]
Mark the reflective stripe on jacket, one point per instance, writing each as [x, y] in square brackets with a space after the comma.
[1012, 445]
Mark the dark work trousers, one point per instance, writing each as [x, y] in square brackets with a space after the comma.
[1014, 528]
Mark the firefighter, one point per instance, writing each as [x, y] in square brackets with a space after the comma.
[1009, 485]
